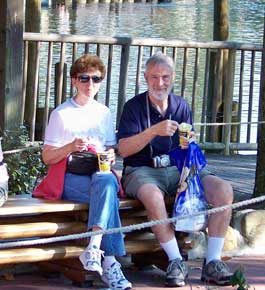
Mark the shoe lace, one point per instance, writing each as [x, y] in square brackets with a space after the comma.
[94, 254]
[115, 272]
[220, 266]
[176, 265]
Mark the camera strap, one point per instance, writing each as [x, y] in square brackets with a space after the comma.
[149, 122]
[149, 125]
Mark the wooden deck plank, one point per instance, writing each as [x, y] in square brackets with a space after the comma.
[239, 170]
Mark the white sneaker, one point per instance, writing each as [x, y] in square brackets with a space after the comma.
[114, 278]
[91, 259]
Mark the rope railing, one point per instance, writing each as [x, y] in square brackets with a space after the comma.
[30, 146]
[228, 123]
[129, 228]
[36, 145]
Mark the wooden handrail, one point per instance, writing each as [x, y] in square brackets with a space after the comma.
[125, 57]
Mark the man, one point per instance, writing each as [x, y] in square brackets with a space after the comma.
[149, 128]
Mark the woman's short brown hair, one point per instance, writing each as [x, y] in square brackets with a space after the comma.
[85, 63]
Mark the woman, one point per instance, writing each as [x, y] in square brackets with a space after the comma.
[76, 124]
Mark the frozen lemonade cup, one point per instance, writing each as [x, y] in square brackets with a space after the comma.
[184, 130]
[103, 162]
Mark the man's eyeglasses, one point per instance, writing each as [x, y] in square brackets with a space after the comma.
[86, 79]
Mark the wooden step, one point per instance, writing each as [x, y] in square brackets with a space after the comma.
[22, 206]
[58, 217]
[40, 229]
[142, 246]
[54, 252]
[40, 253]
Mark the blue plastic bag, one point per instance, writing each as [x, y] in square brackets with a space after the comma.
[190, 194]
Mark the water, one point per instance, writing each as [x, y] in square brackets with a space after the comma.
[182, 19]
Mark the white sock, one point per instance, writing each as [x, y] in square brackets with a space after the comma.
[95, 241]
[108, 261]
[214, 249]
[172, 249]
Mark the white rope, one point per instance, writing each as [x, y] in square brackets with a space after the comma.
[228, 123]
[129, 228]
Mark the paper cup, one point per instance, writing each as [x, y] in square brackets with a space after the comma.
[103, 162]
[184, 130]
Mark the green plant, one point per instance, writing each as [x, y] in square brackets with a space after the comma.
[24, 162]
[239, 279]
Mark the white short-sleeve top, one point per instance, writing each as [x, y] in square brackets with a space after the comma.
[70, 120]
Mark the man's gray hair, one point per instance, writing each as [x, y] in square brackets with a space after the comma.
[160, 58]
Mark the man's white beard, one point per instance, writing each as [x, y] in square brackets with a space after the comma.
[160, 96]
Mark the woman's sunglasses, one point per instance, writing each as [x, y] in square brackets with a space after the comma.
[86, 79]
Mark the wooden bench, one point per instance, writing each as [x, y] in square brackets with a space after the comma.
[31, 218]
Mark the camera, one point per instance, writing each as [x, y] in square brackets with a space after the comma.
[161, 161]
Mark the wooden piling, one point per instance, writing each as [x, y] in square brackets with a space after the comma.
[217, 72]
[32, 24]
[11, 47]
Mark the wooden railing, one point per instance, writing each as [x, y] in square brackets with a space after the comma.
[125, 58]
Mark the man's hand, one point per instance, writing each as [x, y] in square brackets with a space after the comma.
[165, 128]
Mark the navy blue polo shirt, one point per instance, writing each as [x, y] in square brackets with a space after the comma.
[134, 120]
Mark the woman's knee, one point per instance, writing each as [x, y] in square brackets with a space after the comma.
[104, 178]
[104, 186]
[105, 181]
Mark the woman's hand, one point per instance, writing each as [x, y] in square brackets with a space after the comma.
[111, 156]
[80, 144]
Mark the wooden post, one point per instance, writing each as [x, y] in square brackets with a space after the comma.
[260, 168]
[60, 83]
[221, 22]
[125, 52]
[11, 49]
[32, 24]
[221, 32]
[228, 100]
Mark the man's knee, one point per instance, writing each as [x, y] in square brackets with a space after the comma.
[224, 193]
[218, 192]
[151, 197]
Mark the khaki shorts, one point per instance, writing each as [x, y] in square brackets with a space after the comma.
[166, 179]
